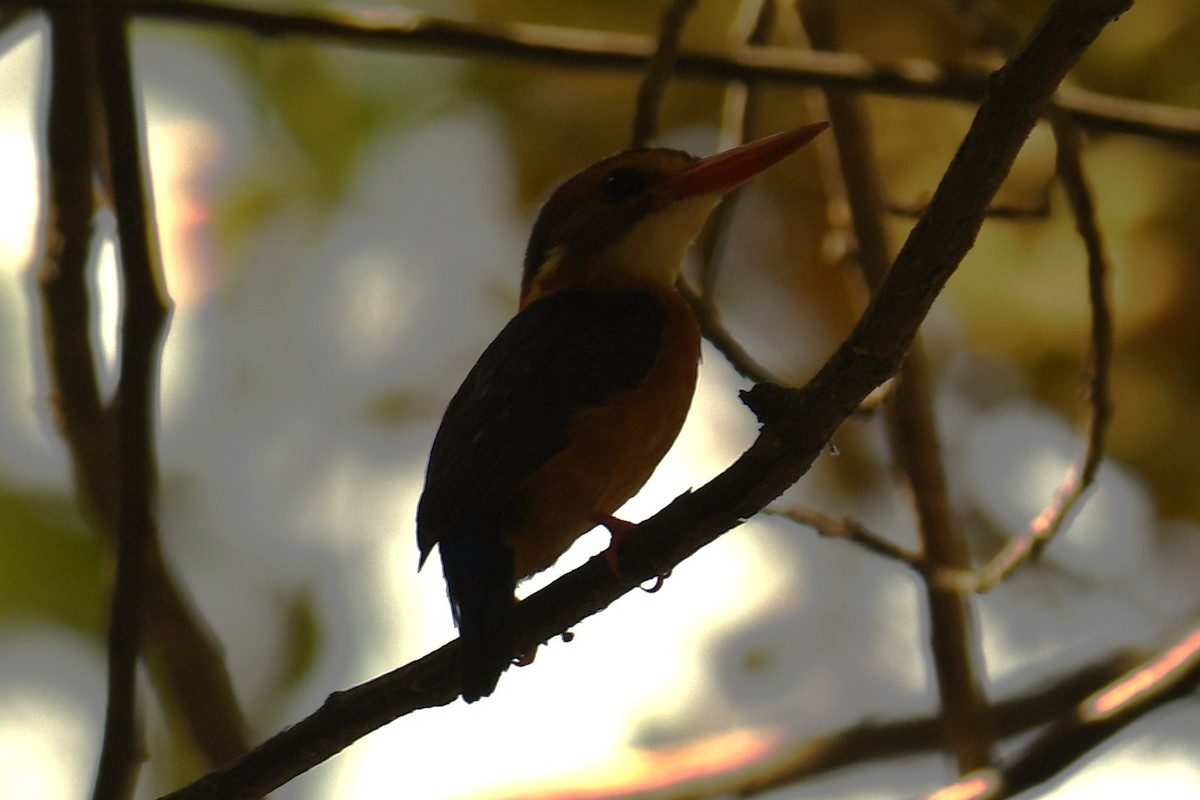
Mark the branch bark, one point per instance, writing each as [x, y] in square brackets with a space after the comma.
[143, 320]
[797, 423]
[1094, 112]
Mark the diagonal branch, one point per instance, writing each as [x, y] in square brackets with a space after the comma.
[797, 424]
[1128, 683]
[872, 740]
[852, 531]
[1170, 675]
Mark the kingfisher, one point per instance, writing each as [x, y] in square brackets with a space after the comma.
[574, 403]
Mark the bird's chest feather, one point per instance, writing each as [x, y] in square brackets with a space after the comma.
[614, 446]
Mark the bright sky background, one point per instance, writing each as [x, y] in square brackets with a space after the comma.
[277, 483]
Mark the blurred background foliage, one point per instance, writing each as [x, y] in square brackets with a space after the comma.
[342, 232]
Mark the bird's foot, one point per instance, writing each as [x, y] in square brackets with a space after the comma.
[619, 529]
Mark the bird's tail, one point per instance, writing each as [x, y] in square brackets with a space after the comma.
[480, 578]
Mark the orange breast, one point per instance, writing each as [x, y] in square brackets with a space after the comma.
[614, 447]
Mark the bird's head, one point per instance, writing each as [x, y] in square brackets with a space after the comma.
[632, 215]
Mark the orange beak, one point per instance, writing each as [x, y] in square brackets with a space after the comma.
[724, 172]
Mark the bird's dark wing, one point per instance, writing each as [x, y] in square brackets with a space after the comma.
[565, 352]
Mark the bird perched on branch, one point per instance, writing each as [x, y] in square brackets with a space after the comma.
[569, 410]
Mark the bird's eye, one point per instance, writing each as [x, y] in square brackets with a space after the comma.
[623, 184]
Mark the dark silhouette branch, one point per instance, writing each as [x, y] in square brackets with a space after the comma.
[144, 314]
[878, 741]
[71, 117]
[1172, 674]
[1079, 711]
[572, 48]
[874, 740]
[797, 424]
[1128, 684]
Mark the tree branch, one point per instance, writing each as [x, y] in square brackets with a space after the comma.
[797, 424]
[185, 663]
[852, 531]
[877, 741]
[144, 314]
[1172, 674]
[572, 48]
[66, 250]
[1134, 676]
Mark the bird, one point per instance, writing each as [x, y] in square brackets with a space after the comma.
[569, 410]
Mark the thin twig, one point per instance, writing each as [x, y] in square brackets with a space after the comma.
[650, 96]
[912, 431]
[852, 531]
[1080, 477]
[727, 345]
[144, 314]
[752, 26]
[793, 436]
[588, 50]
[659, 71]
[755, 19]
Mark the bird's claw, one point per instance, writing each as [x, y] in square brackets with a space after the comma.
[619, 529]
[659, 580]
